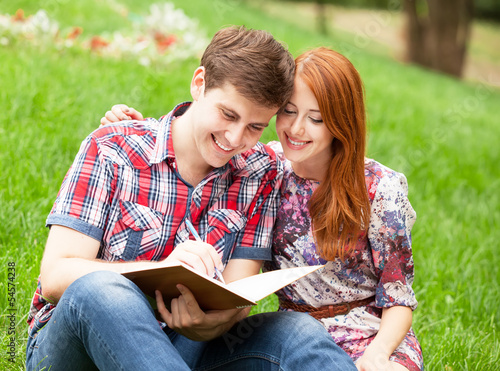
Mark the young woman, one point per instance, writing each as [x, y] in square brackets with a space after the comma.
[346, 211]
[343, 210]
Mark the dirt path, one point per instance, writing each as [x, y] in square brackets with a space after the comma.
[382, 32]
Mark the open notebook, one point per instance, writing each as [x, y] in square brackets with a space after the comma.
[210, 293]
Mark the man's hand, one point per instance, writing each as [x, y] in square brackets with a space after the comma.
[186, 318]
[120, 112]
[200, 256]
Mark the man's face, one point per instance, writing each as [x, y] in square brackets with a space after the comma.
[226, 123]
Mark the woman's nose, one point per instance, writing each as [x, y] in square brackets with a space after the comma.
[297, 127]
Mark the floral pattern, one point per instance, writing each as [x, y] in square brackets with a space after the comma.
[380, 265]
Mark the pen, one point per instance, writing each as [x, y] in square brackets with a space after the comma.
[197, 237]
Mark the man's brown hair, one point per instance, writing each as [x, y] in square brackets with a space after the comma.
[258, 66]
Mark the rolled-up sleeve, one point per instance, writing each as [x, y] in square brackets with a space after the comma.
[83, 200]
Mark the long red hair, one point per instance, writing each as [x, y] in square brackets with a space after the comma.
[339, 208]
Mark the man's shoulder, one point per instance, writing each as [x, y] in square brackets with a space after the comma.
[258, 161]
[127, 142]
[126, 128]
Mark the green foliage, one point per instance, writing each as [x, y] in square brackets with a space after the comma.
[489, 9]
[442, 133]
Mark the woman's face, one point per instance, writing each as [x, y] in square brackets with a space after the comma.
[306, 141]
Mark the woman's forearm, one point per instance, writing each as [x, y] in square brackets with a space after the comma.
[396, 321]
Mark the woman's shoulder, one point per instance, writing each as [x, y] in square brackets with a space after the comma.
[280, 155]
[377, 175]
[378, 170]
[277, 148]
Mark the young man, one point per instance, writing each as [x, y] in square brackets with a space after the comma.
[124, 203]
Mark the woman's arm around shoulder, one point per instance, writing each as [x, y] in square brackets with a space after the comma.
[120, 112]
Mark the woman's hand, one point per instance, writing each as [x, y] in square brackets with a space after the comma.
[395, 323]
[377, 362]
[120, 112]
[374, 359]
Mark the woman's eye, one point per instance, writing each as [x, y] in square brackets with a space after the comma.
[316, 121]
[288, 112]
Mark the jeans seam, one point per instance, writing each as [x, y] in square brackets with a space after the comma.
[271, 359]
[103, 344]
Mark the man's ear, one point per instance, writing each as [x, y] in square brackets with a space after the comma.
[198, 83]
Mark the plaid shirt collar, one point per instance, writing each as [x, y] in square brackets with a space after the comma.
[164, 147]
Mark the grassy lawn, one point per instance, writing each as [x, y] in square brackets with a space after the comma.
[442, 133]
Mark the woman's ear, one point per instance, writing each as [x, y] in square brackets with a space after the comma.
[198, 83]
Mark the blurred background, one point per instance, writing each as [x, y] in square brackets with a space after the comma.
[432, 77]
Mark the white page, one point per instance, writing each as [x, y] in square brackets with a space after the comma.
[261, 285]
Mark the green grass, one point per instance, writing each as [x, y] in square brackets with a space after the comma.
[442, 133]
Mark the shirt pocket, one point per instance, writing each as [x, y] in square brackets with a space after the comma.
[137, 232]
[223, 228]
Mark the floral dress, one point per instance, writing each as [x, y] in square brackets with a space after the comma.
[380, 265]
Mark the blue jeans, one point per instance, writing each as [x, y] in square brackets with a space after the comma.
[103, 321]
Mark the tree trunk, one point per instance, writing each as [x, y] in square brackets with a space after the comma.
[321, 17]
[438, 33]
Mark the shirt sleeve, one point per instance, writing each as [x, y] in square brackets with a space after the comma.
[254, 241]
[83, 200]
[391, 220]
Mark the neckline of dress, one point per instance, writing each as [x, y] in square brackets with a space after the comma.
[301, 179]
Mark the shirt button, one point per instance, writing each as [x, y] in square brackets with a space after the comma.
[138, 224]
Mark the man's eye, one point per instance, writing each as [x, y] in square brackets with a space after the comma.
[228, 115]
[257, 127]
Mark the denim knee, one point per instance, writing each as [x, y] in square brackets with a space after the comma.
[298, 326]
[102, 289]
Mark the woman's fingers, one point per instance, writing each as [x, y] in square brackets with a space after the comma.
[121, 111]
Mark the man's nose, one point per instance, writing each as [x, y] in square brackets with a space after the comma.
[236, 136]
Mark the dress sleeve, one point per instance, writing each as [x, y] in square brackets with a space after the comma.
[84, 197]
[391, 220]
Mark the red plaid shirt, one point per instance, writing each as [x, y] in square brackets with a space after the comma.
[124, 190]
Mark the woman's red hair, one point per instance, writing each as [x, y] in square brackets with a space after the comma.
[339, 208]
